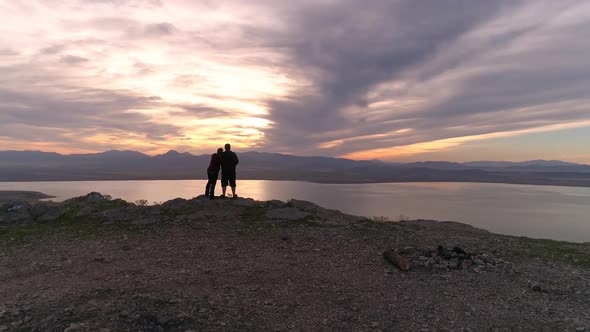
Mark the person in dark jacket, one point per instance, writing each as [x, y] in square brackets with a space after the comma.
[229, 161]
[213, 173]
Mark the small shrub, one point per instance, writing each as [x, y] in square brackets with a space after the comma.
[381, 219]
[141, 202]
[108, 197]
[402, 217]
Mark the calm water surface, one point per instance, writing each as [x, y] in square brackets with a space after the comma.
[561, 213]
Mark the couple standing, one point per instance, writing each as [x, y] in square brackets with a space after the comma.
[226, 161]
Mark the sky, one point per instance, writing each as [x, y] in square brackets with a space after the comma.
[400, 80]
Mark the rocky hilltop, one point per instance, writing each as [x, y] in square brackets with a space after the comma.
[98, 264]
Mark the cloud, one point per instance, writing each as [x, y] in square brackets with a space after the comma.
[53, 49]
[375, 70]
[8, 52]
[72, 59]
[347, 50]
[204, 111]
[307, 77]
[159, 29]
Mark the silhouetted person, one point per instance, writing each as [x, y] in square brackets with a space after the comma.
[213, 173]
[229, 161]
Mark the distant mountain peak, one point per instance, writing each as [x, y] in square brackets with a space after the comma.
[120, 153]
[173, 153]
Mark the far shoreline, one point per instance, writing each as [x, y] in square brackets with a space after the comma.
[22, 195]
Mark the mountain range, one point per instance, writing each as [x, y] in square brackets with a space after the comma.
[133, 165]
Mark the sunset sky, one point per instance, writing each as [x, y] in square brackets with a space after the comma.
[382, 79]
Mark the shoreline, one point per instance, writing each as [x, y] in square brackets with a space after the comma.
[314, 181]
[22, 195]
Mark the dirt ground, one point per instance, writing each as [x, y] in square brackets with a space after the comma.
[250, 274]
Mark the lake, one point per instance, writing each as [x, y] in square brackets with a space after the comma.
[560, 213]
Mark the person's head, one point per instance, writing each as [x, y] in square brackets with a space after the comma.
[227, 147]
[219, 151]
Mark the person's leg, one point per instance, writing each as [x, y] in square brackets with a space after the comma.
[213, 183]
[232, 182]
[224, 181]
[208, 183]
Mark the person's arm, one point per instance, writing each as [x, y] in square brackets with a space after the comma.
[237, 160]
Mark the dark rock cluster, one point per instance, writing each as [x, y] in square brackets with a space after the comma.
[455, 258]
[23, 212]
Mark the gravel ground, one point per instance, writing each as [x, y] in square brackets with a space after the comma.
[187, 269]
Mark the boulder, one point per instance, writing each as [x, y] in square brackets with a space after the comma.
[327, 216]
[245, 202]
[38, 210]
[177, 203]
[52, 213]
[15, 212]
[304, 205]
[92, 197]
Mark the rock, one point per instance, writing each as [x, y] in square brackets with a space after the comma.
[244, 202]
[537, 288]
[453, 263]
[465, 264]
[286, 213]
[487, 258]
[407, 250]
[74, 327]
[304, 205]
[92, 197]
[15, 212]
[458, 250]
[478, 261]
[328, 216]
[177, 203]
[16, 207]
[52, 213]
[163, 320]
[430, 262]
[145, 221]
[443, 252]
[394, 258]
[38, 210]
